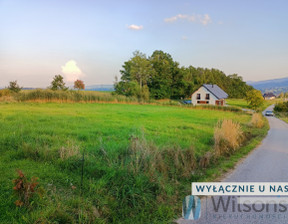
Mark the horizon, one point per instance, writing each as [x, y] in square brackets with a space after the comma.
[91, 40]
[112, 84]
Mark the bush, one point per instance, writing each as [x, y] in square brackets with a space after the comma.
[281, 107]
[228, 137]
[257, 120]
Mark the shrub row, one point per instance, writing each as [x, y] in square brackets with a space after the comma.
[281, 107]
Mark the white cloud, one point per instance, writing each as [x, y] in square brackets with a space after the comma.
[171, 19]
[205, 19]
[135, 27]
[197, 18]
[71, 71]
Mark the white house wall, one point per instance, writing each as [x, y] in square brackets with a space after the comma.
[203, 91]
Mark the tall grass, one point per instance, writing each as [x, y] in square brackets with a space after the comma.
[170, 162]
[228, 137]
[6, 95]
[71, 150]
[257, 120]
[215, 107]
[5, 92]
[282, 115]
[71, 96]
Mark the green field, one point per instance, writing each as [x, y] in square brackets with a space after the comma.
[33, 136]
[242, 103]
[237, 103]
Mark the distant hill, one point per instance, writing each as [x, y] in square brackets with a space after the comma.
[100, 88]
[273, 85]
[24, 88]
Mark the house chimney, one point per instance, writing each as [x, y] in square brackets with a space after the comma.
[212, 85]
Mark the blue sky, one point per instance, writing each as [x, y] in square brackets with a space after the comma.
[92, 39]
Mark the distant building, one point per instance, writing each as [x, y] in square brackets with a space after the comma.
[269, 96]
[209, 94]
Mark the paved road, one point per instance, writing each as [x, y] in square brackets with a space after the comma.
[267, 163]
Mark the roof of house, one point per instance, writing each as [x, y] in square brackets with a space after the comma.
[216, 91]
[269, 95]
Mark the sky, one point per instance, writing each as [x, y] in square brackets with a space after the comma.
[90, 39]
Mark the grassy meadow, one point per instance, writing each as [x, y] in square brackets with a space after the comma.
[139, 159]
[242, 103]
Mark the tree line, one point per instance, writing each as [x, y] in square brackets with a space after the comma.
[160, 77]
[56, 84]
[281, 107]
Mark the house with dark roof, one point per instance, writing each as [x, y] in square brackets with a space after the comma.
[209, 94]
[269, 96]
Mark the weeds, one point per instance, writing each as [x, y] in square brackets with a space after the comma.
[68, 151]
[228, 137]
[169, 162]
[257, 120]
[5, 92]
[41, 95]
[206, 160]
[24, 189]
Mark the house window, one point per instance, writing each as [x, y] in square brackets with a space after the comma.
[207, 96]
[198, 96]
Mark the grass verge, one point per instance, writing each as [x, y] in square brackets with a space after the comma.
[225, 164]
[282, 115]
[242, 103]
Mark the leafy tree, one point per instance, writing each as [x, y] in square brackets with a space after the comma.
[135, 76]
[189, 80]
[127, 88]
[79, 84]
[255, 99]
[281, 95]
[14, 87]
[161, 77]
[281, 107]
[140, 68]
[58, 83]
[165, 68]
[237, 88]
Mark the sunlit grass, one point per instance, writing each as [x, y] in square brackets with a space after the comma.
[47, 140]
[242, 103]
